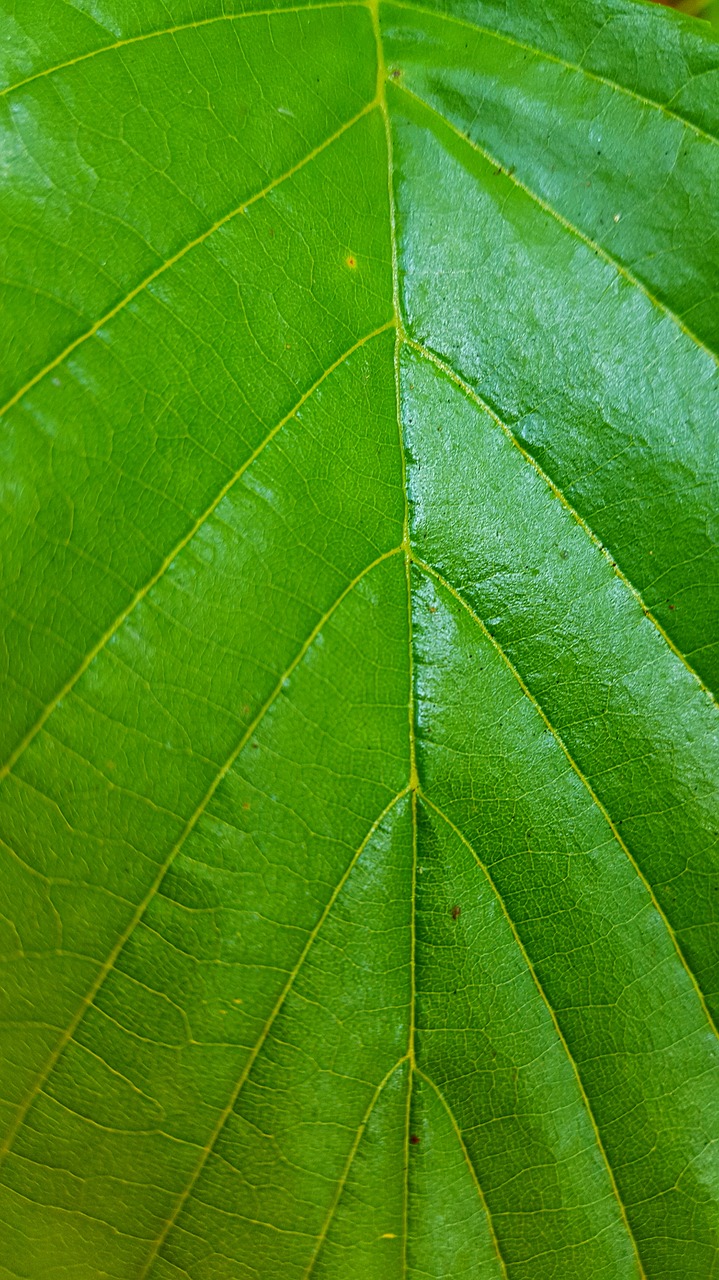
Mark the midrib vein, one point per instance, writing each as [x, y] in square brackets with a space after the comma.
[406, 545]
[550, 1009]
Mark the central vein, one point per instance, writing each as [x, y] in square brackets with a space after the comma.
[406, 546]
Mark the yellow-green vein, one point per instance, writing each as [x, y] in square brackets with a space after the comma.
[561, 62]
[474, 396]
[173, 31]
[429, 569]
[485, 870]
[151, 582]
[458, 1134]
[348, 1165]
[225, 1114]
[568, 226]
[190, 825]
[414, 778]
[181, 253]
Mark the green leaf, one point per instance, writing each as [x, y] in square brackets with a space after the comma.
[360, 607]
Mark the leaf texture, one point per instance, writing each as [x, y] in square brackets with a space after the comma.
[360, 660]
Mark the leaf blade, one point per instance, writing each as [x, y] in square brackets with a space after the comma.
[503, 983]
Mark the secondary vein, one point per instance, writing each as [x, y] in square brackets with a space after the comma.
[346, 1171]
[172, 31]
[181, 253]
[470, 1165]
[562, 62]
[525, 956]
[190, 825]
[434, 573]
[564, 222]
[473, 395]
[151, 582]
[225, 1114]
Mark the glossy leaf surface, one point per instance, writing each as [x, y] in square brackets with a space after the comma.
[360, 607]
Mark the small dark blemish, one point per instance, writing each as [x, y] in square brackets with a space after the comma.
[414, 1139]
[456, 912]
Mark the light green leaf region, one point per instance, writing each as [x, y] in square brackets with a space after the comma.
[360, 642]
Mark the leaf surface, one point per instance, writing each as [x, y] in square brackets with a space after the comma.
[358, 812]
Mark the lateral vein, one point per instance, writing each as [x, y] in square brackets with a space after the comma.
[181, 253]
[432, 572]
[348, 1165]
[225, 1114]
[564, 222]
[142, 592]
[473, 395]
[543, 995]
[562, 62]
[190, 825]
[171, 31]
[468, 1159]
